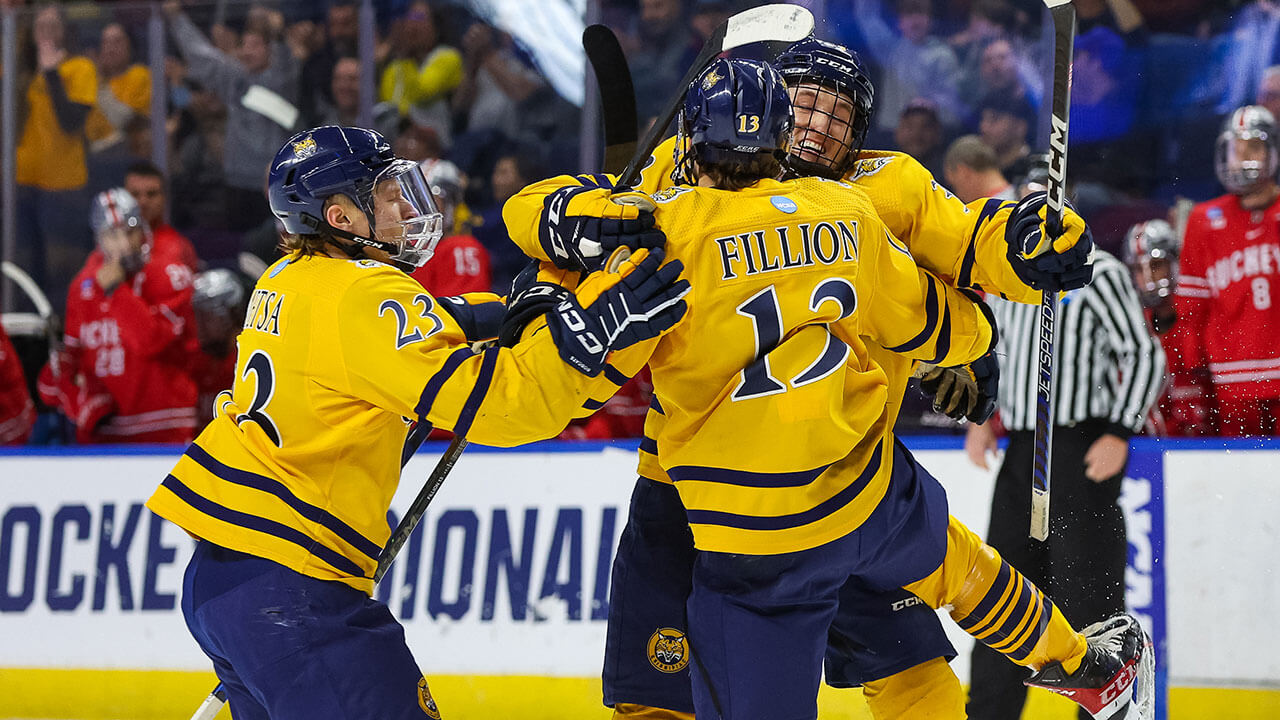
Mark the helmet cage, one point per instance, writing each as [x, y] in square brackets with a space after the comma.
[1151, 251]
[1237, 172]
[826, 141]
[412, 237]
[833, 69]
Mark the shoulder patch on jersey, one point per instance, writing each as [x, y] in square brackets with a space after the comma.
[870, 166]
[784, 204]
[669, 194]
[367, 263]
[1217, 220]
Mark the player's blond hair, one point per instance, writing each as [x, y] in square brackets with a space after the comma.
[310, 243]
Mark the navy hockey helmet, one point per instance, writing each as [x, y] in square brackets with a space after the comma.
[734, 111]
[315, 165]
[1248, 150]
[833, 99]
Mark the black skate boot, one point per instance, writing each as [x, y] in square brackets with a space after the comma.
[1116, 678]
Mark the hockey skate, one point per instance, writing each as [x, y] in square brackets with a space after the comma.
[1116, 679]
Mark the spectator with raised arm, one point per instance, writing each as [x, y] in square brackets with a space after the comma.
[914, 62]
[59, 90]
[494, 83]
[258, 87]
[124, 89]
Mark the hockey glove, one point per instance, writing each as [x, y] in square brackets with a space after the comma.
[530, 297]
[1055, 264]
[614, 310]
[967, 392]
[582, 225]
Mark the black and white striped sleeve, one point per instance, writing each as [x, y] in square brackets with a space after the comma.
[1138, 357]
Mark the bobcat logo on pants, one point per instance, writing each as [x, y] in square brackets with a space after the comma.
[425, 701]
[668, 650]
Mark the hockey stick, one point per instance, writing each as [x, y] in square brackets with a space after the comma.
[768, 23]
[1064, 29]
[617, 95]
[216, 699]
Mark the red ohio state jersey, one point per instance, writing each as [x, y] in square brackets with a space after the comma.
[17, 411]
[1227, 297]
[459, 265]
[136, 343]
[1183, 407]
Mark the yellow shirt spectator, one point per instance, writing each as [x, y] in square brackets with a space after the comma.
[48, 158]
[405, 82]
[123, 96]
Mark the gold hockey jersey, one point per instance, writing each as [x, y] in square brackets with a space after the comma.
[303, 455]
[776, 430]
[963, 244]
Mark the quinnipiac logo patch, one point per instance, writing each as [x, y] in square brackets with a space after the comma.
[668, 650]
[425, 701]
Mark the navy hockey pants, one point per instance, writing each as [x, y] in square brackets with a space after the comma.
[288, 646]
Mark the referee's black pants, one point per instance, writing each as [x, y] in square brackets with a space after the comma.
[1081, 566]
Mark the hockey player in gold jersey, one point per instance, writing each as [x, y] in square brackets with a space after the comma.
[288, 487]
[912, 690]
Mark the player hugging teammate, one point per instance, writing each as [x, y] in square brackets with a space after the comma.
[814, 533]
[797, 525]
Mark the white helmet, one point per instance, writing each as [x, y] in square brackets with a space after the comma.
[1240, 165]
[447, 185]
[116, 209]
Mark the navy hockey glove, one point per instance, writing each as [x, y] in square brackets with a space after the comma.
[582, 225]
[967, 392]
[1056, 264]
[638, 302]
[529, 298]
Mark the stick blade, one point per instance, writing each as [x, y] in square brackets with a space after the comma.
[778, 22]
[1039, 515]
[617, 95]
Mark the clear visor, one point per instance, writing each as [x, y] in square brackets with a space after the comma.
[1245, 159]
[404, 213]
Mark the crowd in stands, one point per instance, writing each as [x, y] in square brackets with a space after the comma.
[963, 86]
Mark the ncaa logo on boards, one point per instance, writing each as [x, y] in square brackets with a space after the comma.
[785, 204]
[425, 701]
[668, 650]
[304, 148]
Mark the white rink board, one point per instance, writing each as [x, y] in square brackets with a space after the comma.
[1221, 537]
[1223, 517]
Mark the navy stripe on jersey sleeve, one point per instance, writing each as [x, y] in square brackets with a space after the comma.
[648, 445]
[615, 376]
[593, 404]
[944, 336]
[484, 378]
[480, 321]
[930, 321]
[656, 406]
[989, 210]
[794, 520]
[278, 489]
[262, 525]
[437, 381]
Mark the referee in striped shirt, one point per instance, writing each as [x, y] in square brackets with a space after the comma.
[1108, 371]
